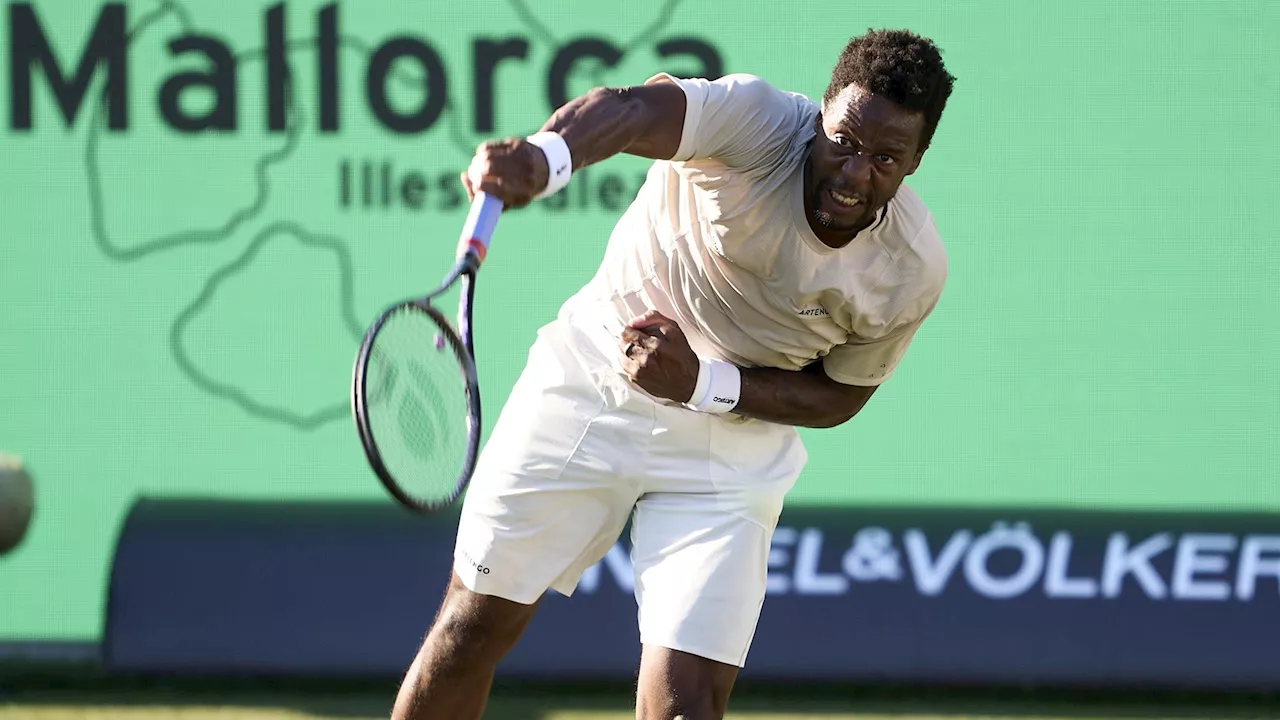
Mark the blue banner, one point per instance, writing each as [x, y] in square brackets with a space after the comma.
[948, 596]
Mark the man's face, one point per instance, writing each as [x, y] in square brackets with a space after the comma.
[864, 148]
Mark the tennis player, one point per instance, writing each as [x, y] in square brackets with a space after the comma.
[769, 275]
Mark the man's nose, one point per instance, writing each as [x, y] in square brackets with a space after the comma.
[857, 170]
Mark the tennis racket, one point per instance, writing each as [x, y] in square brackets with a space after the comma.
[414, 392]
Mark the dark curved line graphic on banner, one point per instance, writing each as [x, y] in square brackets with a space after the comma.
[295, 120]
[537, 27]
[209, 291]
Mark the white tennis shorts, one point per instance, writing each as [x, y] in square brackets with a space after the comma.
[578, 449]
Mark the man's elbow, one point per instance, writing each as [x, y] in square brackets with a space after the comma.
[851, 401]
[830, 420]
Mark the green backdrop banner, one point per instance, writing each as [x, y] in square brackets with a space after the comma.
[205, 202]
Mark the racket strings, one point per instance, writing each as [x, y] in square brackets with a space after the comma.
[417, 405]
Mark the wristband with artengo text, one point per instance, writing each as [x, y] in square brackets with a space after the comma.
[559, 161]
[718, 387]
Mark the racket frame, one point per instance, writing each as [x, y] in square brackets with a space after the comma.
[462, 345]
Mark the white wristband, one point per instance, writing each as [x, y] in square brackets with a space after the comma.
[701, 386]
[559, 161]
[718, 386]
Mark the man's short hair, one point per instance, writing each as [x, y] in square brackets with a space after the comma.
[900, 66]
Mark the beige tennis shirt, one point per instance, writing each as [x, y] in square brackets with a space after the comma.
[717, 240]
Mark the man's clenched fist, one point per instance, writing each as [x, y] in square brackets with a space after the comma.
[657, 357]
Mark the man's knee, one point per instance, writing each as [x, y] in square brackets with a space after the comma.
[474, 630]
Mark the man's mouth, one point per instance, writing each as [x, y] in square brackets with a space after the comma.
[843, 200]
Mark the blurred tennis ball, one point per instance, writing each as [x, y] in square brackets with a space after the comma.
[17, 501]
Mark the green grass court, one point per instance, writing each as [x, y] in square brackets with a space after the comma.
[55, 712]
[19, 702]
[498, 711]
[88, 692]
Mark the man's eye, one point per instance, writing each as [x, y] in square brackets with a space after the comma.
[842, 141]
[885, 159]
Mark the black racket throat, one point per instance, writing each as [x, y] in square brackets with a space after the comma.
[464, 272]
[468, 280]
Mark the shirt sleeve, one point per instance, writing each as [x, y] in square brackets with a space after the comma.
[869, 363]
[873, 361]
[740, 120]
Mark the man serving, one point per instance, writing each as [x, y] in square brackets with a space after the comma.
[769, 275]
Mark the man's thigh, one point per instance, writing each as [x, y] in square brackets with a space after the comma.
[699, 577]
[551, 491]
[702, 529]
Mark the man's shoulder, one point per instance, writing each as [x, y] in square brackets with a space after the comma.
[762, 92]
[741, 87]
[914, 242]
[913, 226]
[741, 130]
[752, 83]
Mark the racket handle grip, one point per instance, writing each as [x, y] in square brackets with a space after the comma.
[478, 229]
